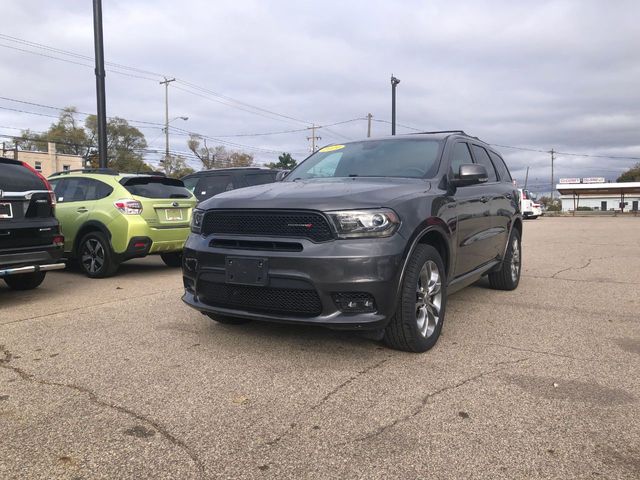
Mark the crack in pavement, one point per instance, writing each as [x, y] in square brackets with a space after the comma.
[579, 268]
[425, 400]
[580, 280]
[330, 394]
[93, 398]
[543, 307]
[539, 352]
[84, 307]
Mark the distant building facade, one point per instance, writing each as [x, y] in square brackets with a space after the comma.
[47, 162]
[602, 196]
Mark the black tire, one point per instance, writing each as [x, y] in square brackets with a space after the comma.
[505, 278]
[25, 281]
[172, 259]
[227, 320]
[403, 332]
[95, 257]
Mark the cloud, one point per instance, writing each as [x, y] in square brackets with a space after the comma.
[559, 74]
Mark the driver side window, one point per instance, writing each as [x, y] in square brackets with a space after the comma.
[460, 156]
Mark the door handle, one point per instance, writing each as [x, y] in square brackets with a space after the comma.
[82, 210]
[484, 199]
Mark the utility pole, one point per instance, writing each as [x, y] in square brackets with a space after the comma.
[526, 179]
[394, 83]
[166, 115]
[369, 117]
[552, 152]
[100, 90]
[313, 138]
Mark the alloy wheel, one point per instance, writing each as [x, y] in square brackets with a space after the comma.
[515, 259]
[428, 298]
[92, 255]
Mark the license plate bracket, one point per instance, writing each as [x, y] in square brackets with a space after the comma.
[173, 214]
[5, 210]
[247, 270]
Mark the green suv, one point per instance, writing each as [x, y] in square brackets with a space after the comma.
[108, 218]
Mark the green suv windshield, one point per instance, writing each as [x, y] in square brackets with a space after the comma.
[374, 158]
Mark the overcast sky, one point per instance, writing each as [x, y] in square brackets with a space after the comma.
[561, 74]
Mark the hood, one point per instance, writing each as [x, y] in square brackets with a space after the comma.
[325, 195]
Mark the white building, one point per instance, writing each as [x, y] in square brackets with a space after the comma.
[600, 196]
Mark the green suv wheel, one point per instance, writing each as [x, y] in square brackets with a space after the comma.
[95, 256]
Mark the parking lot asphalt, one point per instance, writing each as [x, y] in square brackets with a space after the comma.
[116, 378]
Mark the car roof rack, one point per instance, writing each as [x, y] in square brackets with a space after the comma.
[461, 132]
[441, 131]
[105, 171]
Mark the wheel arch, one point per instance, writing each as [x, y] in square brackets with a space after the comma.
[436, 233]
[88, 227]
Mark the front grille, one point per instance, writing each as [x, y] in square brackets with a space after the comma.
[255, 245]
[284, 301]
[311, 225]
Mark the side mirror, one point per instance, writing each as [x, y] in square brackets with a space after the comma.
[470, 174]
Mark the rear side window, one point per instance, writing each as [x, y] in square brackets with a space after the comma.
[155, 187]
[482, 157]
[18, 178]
[70, 189]
[260, 178]
[97, 190]
[213, 185]
[460, 156]
[190, 183]
[503, 171]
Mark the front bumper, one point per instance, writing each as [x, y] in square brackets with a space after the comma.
[369, 266]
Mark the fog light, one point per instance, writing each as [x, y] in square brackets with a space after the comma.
[190, 264]
[354, 302]
[188, 284]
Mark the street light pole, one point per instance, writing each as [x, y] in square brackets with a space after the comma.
[100, 89]
[394, 82]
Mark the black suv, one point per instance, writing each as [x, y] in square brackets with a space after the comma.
[207, 183]
[30, 240]
[367, 235]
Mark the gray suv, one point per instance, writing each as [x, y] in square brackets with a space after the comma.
[367, 235]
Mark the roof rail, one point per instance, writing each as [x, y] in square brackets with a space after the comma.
[441, 131]
[106, 171]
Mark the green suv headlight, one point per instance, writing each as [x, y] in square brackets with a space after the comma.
[196, 220]
[381, 222]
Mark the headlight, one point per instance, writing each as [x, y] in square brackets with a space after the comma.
[364, 223]
[196, 220]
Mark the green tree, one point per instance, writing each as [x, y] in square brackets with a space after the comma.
[285, 162]
[198, 146]
[67, 133]
[631, 175]
[125, 145]
[175, 166]
[554, 205]
[219, 156]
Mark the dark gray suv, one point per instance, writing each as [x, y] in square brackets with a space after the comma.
[369, 235]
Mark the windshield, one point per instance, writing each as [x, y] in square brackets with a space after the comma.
[377, 158]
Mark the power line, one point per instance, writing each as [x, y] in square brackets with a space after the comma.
[115, 66]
